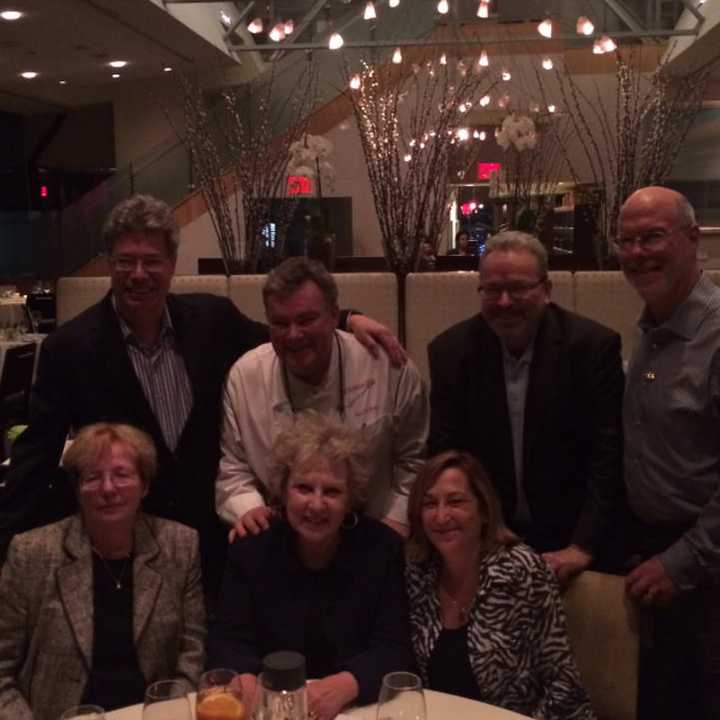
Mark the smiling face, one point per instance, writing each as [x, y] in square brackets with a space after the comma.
[514, 296]
[451, 516]
[316, 502]
[665, 269]
[141, 273]
[301, 331]
[110, 489]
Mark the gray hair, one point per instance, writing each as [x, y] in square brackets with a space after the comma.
[290, 274]
[315, 434]
[141, 214]
[519, 242]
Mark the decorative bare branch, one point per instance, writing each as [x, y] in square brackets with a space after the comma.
[239, 151]
[412, 134]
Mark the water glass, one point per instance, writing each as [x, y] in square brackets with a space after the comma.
[83, 712]
[167, 700]
[220, 696]
[401, 697]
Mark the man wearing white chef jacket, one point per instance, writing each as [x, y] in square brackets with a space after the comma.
[309, 364]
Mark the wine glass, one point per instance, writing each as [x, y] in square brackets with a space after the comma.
[401, 697]
[220, 696]
[167, 700]
[83, 712]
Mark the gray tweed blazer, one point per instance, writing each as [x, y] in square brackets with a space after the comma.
[46, 613]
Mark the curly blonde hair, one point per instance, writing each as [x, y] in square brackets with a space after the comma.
[314, 434]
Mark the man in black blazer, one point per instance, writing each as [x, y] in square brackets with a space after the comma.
[143, 356]
[535, 392]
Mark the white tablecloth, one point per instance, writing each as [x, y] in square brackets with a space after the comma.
[439, 707]
[12, 311]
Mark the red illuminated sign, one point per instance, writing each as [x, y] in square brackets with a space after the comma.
[299, 185]
[43, 191]
[484, 170]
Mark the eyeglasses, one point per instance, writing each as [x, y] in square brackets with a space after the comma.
[516, 291]
[119, 477]
[646, 241]
[128, 263]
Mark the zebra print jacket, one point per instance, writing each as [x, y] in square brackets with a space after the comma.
[517, 640]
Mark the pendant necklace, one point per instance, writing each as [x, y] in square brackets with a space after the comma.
[462, 610]
[117, 579]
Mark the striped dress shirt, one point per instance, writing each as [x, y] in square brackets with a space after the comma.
[164, 378]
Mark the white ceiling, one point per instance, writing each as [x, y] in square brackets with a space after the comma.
[73, 40]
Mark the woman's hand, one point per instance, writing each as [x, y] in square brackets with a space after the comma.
[328, 696]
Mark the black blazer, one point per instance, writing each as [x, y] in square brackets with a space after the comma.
[269, 599]
[85, 376]
[572, 450]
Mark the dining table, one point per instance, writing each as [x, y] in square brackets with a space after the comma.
[20, 339]
[12, 310]
[439, 706]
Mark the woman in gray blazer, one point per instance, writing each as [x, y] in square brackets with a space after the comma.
[99, 605]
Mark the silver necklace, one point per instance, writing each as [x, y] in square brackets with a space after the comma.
[117, 579]
[463, 611]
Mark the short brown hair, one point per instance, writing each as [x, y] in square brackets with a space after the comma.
[96, 439]
[141, 214]
[316, 434]
[290, 274]
[494, 532]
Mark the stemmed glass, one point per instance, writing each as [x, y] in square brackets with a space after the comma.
[401, 697]
[167, 700]
[83, 712]
[220, 696]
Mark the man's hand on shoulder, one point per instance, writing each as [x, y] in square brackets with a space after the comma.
[253, 522]
[568, 562]
[372, 334]
[650, 584]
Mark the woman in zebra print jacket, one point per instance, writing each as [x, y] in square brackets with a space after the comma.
[487, 620]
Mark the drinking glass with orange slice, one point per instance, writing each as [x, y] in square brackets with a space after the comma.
[219, 696]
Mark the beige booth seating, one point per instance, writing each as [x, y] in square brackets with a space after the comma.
[76, 294]
[437, 300]
[213, 284]
[373, 293]
[603, 630]
[608, 298]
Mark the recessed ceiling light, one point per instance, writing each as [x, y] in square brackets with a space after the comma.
[115, 76]
[29, 75]
[167, 68]
[62, 82]
[117, 63]
[11, 15]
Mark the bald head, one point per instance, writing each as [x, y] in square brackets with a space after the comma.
[661, 200]
[657, 248]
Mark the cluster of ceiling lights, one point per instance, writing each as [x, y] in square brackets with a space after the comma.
[584, 26]
[12, 15]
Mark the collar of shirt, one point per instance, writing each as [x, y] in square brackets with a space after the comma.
[166, 329]
[689, 315]
[513, 363]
